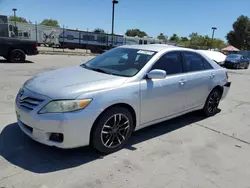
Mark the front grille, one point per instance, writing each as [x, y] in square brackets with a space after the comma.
[29, 102]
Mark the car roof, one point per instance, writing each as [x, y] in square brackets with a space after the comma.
[152, 47]
[157, 47]
[166, 48]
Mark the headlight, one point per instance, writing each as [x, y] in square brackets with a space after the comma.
[64, 106]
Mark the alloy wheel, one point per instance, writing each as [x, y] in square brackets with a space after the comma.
[17, 55]
[213, 102]
[115, 130]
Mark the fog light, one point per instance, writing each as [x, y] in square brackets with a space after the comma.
[57, 137]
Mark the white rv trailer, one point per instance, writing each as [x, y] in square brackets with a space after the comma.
[68, 38]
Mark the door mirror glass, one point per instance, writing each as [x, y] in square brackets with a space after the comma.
[157, 74]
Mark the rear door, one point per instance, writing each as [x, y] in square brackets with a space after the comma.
[200, 79]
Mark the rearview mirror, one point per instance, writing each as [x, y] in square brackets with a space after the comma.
[157, 74]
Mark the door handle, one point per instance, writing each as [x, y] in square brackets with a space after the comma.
[182, 82]
[212, 75]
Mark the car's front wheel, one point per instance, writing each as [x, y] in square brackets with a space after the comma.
[112, 130]
[211, 106]
[246, 66]
[237, 66]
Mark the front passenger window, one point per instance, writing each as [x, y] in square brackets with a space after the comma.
[170, 62]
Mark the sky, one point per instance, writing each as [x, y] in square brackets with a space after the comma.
[152, 16]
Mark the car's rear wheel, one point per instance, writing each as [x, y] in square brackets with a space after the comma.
[112, 130]
[17, 56]
[211, 106]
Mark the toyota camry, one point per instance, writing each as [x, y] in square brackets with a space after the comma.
[103, 101]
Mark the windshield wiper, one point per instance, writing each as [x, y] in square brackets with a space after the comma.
[99, 70]
[96, 69]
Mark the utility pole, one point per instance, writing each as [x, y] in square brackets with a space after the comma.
[36, 33]
[213, 28]
[63, 38]
[87, 40]
[114, 2]
[14, 10]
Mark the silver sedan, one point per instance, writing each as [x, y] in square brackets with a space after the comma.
[120, 91]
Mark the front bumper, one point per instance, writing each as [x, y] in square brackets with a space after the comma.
[226, 88]
[229, 64]
[75, 126]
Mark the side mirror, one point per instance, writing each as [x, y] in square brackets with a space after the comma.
[157, 74]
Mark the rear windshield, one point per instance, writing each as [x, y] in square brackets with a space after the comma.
[236, 56]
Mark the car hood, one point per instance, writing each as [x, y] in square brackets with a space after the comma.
[69, 83]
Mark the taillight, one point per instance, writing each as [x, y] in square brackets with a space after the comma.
[227, 75]
[36, 44]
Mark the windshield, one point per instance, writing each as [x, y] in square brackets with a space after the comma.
[120, 61]
[235, 56]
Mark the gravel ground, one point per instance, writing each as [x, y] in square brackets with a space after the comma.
[189, 151]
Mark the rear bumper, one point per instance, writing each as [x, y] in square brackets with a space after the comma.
[32, 52]
[226, 88]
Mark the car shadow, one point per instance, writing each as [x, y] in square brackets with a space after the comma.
[6, 61]
[20, 150]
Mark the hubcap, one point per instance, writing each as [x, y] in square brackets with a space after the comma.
[17, 56]
[115, 130]
[213, 102]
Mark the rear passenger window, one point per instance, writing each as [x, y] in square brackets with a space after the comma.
[195, 62]
[170, 62]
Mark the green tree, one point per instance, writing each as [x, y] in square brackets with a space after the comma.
[218, 43]
[98, 30]
[195, 39]
[135, 32]
[174, 38]
[50, 22]
[184, 39]
[161, 36]
[17, 19]
[240, 35]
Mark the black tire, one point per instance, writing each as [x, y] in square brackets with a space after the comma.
[104, 134]
[17, 56]
[211, 106]
[236, 66]
[246, 66]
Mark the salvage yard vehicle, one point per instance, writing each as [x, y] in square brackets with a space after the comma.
[15, 50]
[216, 56]
[237, 61]
[120, 91]
[13, 47]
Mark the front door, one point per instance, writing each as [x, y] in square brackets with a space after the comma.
[164, 97]
[200, 79]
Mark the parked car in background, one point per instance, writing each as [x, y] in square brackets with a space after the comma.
[15, 50]
[216, 56]
[237, 61]
[120, 91]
